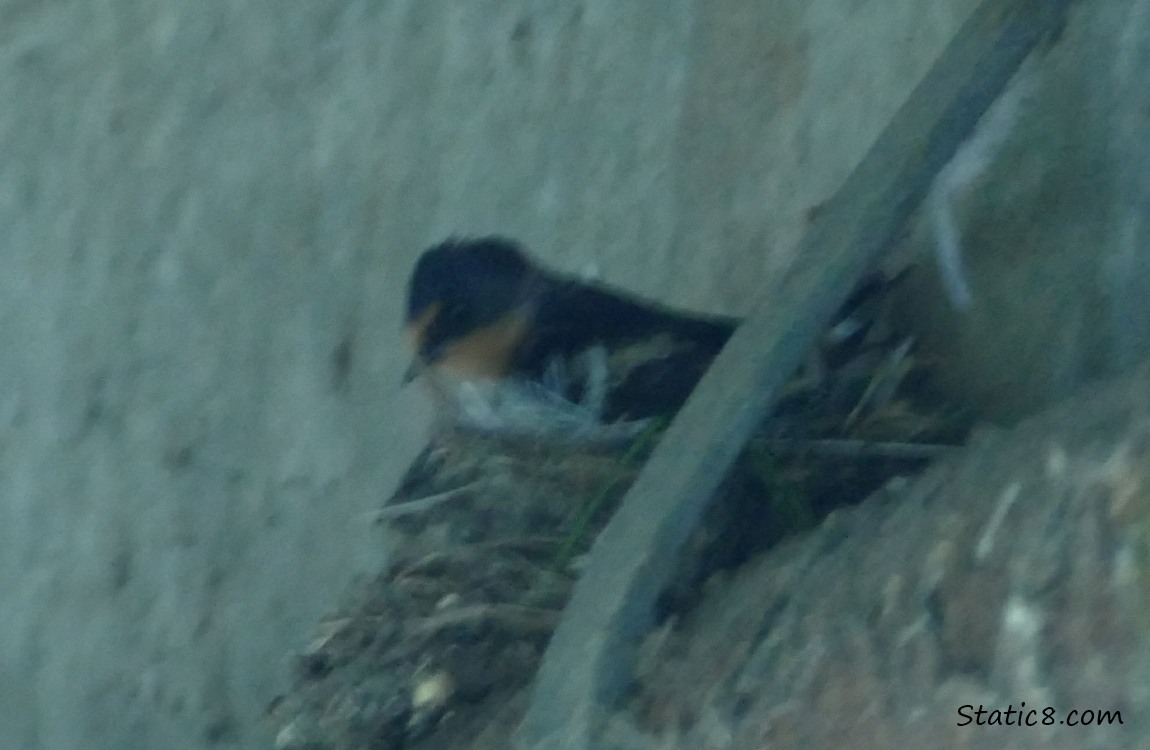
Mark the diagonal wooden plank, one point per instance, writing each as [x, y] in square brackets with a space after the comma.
[587, 667]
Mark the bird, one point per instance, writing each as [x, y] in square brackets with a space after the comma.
[493, 331]
[508, 346]
[511, 348]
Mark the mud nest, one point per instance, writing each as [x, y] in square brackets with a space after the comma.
[486, 535]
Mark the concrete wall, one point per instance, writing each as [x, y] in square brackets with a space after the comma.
[207, 213]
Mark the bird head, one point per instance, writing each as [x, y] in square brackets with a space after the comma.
[469, 307]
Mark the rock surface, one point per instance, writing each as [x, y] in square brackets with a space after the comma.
[1015, 574]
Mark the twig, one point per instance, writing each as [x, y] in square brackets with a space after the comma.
[509, 617]
[861, 448]
[421, 504]
[471, 552]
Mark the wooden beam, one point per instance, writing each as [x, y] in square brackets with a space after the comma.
[587, 667]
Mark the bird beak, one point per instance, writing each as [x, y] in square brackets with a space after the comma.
[416, 329]
[413, 371]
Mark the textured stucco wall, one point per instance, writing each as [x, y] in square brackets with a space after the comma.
[208, 212]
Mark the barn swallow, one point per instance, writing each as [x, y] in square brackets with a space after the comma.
[485, 320]
[481, 310]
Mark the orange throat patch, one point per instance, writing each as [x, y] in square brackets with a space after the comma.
[486, 353]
